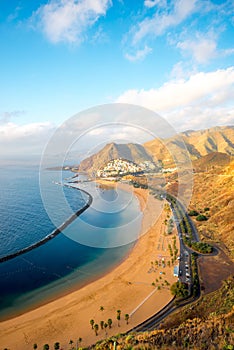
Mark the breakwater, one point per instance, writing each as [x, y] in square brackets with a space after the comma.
[53, 233]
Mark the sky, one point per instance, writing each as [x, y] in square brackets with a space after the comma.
[60, 57]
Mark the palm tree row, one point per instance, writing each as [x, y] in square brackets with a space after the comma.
[104, 325]
[57, 345]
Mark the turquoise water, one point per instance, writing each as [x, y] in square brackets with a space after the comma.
[95, 242]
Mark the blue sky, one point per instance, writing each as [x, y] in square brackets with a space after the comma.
[59, 57]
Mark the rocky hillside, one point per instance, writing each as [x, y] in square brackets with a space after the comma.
[213, 195]
[198, 143]
[132, 152]
[214, 160]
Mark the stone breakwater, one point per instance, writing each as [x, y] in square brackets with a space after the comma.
[53, 233]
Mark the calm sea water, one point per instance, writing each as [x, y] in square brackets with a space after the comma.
[71, 259]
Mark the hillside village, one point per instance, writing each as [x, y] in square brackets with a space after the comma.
[120, 167]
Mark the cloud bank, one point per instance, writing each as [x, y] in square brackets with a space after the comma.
[24, 140]
[190, 103]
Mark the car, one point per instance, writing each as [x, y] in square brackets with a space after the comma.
[187, 274]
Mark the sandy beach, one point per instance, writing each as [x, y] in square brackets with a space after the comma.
[128, 288]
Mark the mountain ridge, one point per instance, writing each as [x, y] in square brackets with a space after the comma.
[176, 149]
[198, 143]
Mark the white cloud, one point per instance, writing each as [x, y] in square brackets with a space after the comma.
[139, 55]
[24, 139]
[201, 48]
[177, 19]
[182, 70]
[226, 52]
[68, 20]
[153, 3]
[6, 117]
[11, 131]
[204, 94]
[160, 22]
[116, 133]
[196, 117]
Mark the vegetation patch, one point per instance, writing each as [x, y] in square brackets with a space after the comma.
[179, 289]
[193, 213]
[201, 217]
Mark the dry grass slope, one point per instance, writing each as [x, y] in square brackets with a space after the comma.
[198, 143]
[214, 189]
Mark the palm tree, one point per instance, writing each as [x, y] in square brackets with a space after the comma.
[118, 316]
[71, 342]
[96, 327]
[46, 347]
[35, 346]
[105, 326]
[101, 308]
[92, 323]
[56, 346]
[102, 324]
[126, 317]
[109, 321]
[118, 319]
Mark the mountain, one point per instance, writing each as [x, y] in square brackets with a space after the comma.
[132, 152]
[198, 143]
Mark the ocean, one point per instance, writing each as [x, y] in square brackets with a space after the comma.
[95, 242]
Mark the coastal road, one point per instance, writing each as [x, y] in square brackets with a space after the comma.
[185, 271]
[154, 321]
[185, 276]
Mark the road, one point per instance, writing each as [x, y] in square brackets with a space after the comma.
[185, 275]
[185, 271]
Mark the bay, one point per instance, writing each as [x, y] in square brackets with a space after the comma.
[68, 261]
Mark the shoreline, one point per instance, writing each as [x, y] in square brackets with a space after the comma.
[54, 233]
[124, 286]
[78, 284]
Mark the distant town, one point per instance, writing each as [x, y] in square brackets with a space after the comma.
[121, 167]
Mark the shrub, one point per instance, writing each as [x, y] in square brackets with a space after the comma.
[193, 213]
[201, 217]
[179, 289]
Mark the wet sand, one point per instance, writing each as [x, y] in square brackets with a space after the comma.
[128, 288]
